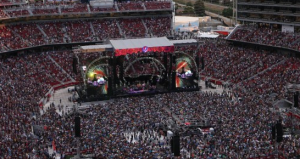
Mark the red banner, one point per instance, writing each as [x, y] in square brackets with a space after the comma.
[168, 49]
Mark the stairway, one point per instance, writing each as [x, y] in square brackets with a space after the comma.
[117, 8]
[30, 12]
[6, 13]
[120, 30]
[40, 28]
[93, 30]
[73, 80]
[24, 41]
[233, 31]
[143, 5]
[147, 31]
[66, 38]
[88, 7]
[59, 9]
[42, 31]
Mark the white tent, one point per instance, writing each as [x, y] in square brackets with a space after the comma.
[185, 41]
[207, 35]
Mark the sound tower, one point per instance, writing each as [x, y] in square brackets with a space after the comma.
[121, 71]
[77, 126]
[279, 131]
[172, 146]
[173, 80]
[74, 65]
[202, 62]
[170, 63]
[109, 89]
[116, 80]
[165, 60]
[296, 99]
[174, 59]
[273, 132]
[197, 61]
[176, 145]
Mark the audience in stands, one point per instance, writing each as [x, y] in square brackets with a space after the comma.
[23, 35]
[129, 127]
[267, 36]
[69, 7]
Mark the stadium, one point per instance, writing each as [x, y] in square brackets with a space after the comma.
[113, 79]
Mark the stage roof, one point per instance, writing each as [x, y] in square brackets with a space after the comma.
[139, 43]
[129, 46]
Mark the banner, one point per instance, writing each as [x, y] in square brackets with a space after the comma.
[120, 52]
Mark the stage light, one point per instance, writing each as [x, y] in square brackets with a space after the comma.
[91, 74]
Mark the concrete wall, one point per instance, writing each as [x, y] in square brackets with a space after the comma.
[227, 21]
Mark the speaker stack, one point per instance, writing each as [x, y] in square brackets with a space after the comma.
[197, 61]
[296, 100]
[75, 65]
[121, 71]
[176, 145]
[277, 132]
[77, 126]
[109, 89]
[202, 61]
[173, 80]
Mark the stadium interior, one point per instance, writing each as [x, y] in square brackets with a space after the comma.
[137, 88]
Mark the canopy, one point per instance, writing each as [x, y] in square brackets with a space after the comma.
[206, 35]
[130, 46]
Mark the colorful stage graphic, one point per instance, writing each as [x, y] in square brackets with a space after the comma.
[183, 72]
[97, 77]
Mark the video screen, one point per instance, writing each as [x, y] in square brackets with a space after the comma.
[184, 73]
[97, 77]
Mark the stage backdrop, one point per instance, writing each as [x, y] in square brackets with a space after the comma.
[97, 71]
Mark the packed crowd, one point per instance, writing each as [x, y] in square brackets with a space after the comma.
[133, 28]
[267, 36]
[130, 5]
[103, 129]
[75, 8]
[283, 73]
[236, 64]
[26, 78]
[23, 35]
[242, 128]
[159, 26]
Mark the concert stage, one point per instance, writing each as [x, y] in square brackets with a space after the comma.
[126, 68]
